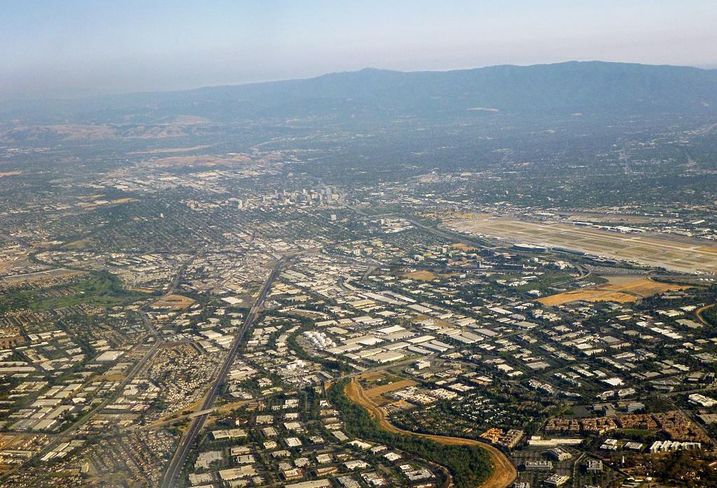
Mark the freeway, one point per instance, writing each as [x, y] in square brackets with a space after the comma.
[451, 236]
[175, 465]
[443, 233]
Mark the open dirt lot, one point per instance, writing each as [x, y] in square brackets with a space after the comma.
[663, 251]
[462, 247]
[173, 302]
[503, 473]
[378, 383]
[377, 391]
[620, 289]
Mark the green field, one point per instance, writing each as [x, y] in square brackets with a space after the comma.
[99, 289]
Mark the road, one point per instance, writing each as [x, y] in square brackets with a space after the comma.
[67, 433]
[451, 236]
[146, 320]
[139, 366]
[180, 455]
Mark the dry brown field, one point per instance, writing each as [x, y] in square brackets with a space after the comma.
[460, 246]
[620, 289]
[377, 391]
[173, 302]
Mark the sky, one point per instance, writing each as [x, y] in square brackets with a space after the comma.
[71, 48]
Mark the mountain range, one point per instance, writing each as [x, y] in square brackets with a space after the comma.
[565, 88]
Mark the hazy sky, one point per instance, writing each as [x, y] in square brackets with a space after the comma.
[77, 47]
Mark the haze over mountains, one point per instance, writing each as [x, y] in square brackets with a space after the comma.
[589, 88]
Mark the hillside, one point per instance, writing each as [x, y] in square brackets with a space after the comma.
[564, 88]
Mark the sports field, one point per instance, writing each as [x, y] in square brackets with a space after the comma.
[670, 253]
